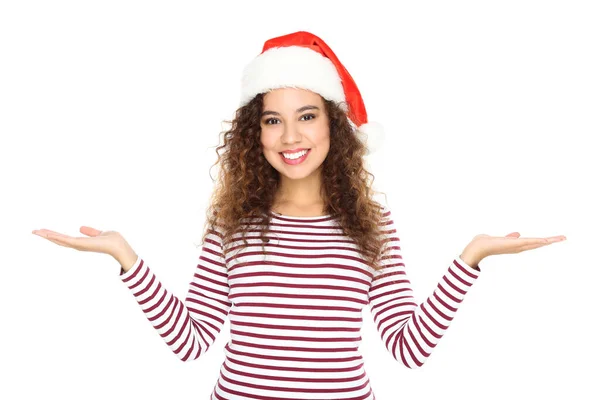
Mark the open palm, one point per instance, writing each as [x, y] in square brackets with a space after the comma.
[107, 242]
[485, 245]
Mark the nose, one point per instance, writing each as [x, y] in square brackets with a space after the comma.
[291, 134]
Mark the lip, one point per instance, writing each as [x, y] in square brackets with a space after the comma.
[297, 161]
[292, 151]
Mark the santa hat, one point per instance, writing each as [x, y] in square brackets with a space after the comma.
[304, 60]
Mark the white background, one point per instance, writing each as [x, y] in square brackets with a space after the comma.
[109, 114]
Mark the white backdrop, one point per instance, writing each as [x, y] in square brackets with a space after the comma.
[109, 114]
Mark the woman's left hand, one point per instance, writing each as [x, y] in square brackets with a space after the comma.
[485, 245]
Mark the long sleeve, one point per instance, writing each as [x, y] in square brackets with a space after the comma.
[190, 327]
[409, 330]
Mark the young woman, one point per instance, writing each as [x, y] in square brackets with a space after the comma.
[296, 246]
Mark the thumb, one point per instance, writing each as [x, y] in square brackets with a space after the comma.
[89, 231]
[513, 235]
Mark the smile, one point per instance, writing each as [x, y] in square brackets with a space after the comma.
[300, 157]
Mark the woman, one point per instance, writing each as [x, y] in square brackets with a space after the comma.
[296, 246]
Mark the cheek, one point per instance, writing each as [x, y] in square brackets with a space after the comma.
[269, 146]
[317, 133]
[266, 140]
[321, 135]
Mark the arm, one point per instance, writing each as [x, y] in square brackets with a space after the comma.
[409, 330]
[190, 327]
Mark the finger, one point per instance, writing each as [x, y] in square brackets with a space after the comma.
[530, 241]
[551, 239]
[558, 238]
[56, 239]
[44, 232]
[515, 245]
[77, 243]
[89, 231]
[532, 246]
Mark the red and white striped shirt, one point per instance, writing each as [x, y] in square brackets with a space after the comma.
[296, 313]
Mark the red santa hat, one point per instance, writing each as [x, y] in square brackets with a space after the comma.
[304, 60]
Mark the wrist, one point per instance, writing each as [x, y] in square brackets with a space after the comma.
[471, 260]
[127, 259]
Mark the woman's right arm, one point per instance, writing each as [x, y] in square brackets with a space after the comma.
[188, 327]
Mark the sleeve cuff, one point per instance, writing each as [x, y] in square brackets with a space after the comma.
[464, 271]
[135, 273]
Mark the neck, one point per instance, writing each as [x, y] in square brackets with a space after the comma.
[304, 192]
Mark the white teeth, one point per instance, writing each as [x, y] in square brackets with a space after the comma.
[293, 156]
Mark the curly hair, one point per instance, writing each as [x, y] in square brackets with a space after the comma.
[247, 183]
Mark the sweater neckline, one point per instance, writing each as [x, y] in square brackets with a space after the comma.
[313, 217]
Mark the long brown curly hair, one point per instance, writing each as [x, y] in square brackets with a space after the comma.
[247, 183]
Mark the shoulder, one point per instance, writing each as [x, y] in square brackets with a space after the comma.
[385, 213]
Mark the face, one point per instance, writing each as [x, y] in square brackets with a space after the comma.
[294, 119]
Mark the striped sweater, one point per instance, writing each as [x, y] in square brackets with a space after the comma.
[296, 313]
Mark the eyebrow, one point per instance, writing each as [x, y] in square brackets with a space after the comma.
[301, 109]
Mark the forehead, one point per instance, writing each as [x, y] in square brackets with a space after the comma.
[290, 97]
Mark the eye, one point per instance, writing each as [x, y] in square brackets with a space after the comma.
[308, 115]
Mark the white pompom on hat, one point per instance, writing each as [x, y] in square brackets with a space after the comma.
[305, 61]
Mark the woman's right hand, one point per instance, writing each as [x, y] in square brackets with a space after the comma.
[107, 242]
